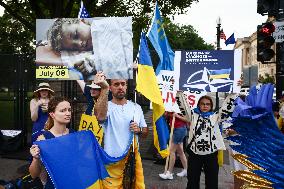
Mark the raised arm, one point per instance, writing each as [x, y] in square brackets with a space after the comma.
[102, 102]
[227, 107]
[183, 106]
[34, 106]
[82, 84]
[182, 118]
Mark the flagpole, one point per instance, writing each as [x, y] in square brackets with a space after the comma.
[170, 143]
[218, 21]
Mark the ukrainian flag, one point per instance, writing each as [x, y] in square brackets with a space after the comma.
[158, 38]
[148, 86]
[220, 74]
[77, 156]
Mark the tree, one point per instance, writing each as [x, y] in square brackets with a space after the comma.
[185, 37]
[25, 12]
[266, 79]
[14, 37]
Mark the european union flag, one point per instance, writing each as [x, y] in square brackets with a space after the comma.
[83, 13]
[230, 40]
[147, 85]
[157, 36]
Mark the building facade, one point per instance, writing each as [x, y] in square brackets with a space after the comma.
[251, 68]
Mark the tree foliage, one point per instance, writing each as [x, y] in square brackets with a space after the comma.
[185, 37]
[266, 79]
[19, 19]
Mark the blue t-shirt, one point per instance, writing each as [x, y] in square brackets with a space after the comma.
[116, 128]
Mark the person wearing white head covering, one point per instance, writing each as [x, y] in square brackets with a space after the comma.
[39, 107]
[92, 93]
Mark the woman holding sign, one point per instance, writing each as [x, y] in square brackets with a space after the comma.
[59, 115]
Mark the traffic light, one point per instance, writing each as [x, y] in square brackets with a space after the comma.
[269, 7]
[265, 41]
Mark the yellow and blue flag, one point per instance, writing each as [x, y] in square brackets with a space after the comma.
[147, 85]
[220, 74]
[158, 38]
[78, 156]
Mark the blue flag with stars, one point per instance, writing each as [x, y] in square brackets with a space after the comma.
[83, 13]
[230, 40]
[157, 36]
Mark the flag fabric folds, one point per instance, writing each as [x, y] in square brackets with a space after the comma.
[77, 156]
[157, 36]
[83, 13]
[259, 140]
[222, 35]
[147, 85]
[230, 40]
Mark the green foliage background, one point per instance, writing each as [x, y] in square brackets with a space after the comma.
[17, 25]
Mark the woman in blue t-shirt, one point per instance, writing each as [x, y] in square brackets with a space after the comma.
[59, 115]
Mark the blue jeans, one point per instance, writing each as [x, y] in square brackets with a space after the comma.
[179, 134]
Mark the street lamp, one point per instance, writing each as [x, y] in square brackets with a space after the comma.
[218, 22]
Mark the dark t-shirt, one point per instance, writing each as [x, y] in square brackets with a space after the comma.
[90, 100]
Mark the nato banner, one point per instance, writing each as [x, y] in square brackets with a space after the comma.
[209, 70]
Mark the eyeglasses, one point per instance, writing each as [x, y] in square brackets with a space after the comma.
[205, 104]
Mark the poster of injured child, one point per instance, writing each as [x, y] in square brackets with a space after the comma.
[76, 48]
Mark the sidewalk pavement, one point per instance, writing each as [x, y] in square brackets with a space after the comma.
[12, 169]
[153, 181]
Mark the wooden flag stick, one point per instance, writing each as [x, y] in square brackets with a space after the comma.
[170, 142]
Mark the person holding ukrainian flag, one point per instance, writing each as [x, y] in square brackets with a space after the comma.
[123, 122]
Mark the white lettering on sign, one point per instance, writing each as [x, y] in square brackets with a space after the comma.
[278, 34]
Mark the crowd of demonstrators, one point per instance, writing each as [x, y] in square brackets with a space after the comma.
[123, 123]
[179, 133]
[59, 110]
[39, 107]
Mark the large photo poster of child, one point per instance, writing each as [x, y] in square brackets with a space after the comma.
[76, 48]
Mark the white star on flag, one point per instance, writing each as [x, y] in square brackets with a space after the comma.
[83, 13]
